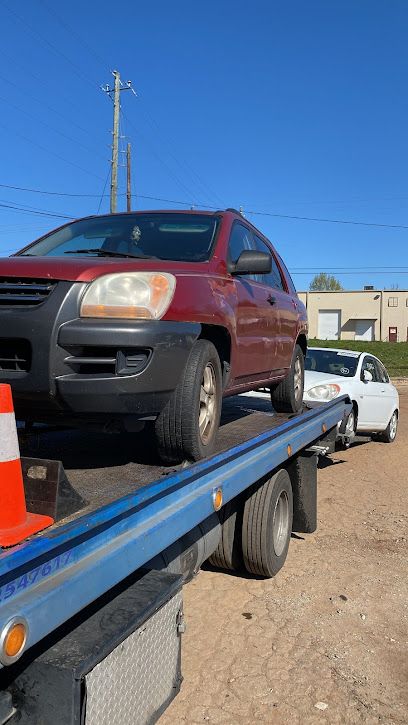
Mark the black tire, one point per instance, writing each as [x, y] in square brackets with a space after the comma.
[287, 396]
[228, 554]
[267, 525]
[177, 427]
[390, 433]
[350, 427]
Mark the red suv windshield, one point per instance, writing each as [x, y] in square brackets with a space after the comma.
[172, 236]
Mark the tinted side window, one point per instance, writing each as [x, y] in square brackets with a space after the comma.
[381, 372]
[289, 279]
[273, 279]
[239, 241]
[370, 365]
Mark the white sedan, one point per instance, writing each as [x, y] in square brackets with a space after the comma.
[333, 372]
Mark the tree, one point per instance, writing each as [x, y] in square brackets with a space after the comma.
[326, 282]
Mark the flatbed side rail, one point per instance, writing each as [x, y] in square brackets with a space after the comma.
[50, 578]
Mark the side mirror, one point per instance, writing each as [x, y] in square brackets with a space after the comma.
[367, 376]
[252, 262]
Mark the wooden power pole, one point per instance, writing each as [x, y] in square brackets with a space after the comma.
[128, 180]
[115, 144]
[114, 94]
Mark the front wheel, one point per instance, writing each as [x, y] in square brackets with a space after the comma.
[350, 428]
[390, 433]
[287, 396]
[186, 428]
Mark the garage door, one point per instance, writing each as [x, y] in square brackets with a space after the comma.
[329, 324]
[364, 330]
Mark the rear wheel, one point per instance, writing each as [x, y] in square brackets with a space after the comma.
[267, 525]
[186, 428]
[287, 396]
[228, 554]
[390, 433]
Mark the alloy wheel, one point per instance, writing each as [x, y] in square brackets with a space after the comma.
[349, 430]
[393, 426]
[208, 403]
[298, 380]
[281, 523]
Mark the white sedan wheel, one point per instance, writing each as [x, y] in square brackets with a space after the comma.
[350, 424]
[393, 425]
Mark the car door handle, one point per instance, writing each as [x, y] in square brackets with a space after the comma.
[271, 299]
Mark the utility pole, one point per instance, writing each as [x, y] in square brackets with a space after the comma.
[115, 144]
[117, 88]
[128, 179]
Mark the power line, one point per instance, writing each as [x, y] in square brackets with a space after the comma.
[357, 272]
[50, 193]
[78, 71]
[90, 50]
[327, 221]
[166, 166]
[307, 270]
[72, 31]
[103, 191]
[47, 125]
[28, 210]
[69, 101]
[288, 216]
[209, 193]
[48, 151]
[27, 206]
[43, 105]
[215, 208]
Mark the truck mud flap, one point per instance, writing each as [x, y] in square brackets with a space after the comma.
[303, 475]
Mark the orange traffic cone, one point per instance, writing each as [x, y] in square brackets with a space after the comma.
[16, 524]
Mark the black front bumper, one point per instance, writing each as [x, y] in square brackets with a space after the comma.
[91, 368]
[157, 350]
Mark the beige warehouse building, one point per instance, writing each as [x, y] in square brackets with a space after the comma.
[361, 315]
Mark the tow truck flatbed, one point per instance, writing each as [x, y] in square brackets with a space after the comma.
[104, 467]
[137, 509]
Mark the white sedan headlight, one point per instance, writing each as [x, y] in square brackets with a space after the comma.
[129, 295]
[324, 392]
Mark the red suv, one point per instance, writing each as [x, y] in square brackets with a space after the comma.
[150, 316]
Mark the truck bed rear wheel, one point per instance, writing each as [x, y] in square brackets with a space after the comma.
[186, 428]
[267, 525]
[228, 554]
[287, 396]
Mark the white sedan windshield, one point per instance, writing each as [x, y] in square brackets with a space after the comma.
[333, 362]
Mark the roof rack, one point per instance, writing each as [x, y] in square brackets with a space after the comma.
[235, 211]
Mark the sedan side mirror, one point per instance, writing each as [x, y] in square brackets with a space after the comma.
[252, 262]
[367, 376]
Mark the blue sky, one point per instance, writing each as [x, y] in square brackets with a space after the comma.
[290, 108]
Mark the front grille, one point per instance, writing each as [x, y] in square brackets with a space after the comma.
[24, 291]
[15, 356]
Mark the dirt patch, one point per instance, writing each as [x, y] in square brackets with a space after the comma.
[326, 641]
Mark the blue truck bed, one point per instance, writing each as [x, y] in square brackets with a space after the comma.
[57, 573]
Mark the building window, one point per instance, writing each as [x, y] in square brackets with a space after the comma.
[393, 302]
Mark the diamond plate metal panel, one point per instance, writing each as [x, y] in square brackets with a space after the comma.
[138, 677]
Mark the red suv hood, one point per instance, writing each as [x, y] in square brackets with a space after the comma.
[85, 270]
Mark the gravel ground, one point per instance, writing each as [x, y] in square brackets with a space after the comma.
[326, 640]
